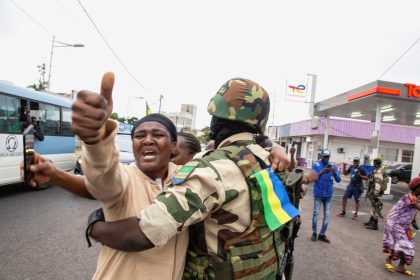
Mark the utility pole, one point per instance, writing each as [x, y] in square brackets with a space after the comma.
[160, 102]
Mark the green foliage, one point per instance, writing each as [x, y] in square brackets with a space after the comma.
[131, 120]
[42, 85]
[205, 137]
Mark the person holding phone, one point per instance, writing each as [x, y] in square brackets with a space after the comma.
[323, 191]
[355, 188]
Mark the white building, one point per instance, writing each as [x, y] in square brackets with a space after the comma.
[185, 118]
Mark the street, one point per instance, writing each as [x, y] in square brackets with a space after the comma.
[42, 237]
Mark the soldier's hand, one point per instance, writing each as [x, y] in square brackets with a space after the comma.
[91, 110]
[278, 158]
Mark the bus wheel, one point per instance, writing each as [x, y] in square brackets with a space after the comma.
[42, 186]
[39, 187]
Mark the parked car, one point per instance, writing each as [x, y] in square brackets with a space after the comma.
[400, 172]
[125, 145]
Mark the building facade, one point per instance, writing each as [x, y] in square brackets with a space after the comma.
[184, 119]
[347, 139]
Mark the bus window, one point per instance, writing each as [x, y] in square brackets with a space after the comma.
[49, 119]
[66, 122]
[9, 114]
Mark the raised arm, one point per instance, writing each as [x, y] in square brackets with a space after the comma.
[106, 179]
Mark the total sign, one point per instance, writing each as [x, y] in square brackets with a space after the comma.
[11, 145]
[413, 91]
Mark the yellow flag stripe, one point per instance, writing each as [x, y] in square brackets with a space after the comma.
[274, 202]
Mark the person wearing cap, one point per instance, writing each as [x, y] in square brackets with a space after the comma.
[212, 197]
[323, 191]
[355, 187]
[400, 230]
[379, 181]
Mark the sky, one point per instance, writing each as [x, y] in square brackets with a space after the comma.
[185, 50]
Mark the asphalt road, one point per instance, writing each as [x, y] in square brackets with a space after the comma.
[354, 252]
[42, 237]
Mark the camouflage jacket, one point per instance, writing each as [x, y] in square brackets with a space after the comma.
[378, 177]
[211, 189]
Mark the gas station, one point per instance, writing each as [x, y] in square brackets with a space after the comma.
[379, 101]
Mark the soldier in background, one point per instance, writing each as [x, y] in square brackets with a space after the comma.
[213, 197]
[376, 187]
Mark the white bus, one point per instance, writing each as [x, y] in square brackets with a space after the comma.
[54, 115]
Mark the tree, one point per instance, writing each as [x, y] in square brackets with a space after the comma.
[42, 85]
[205, 137]
[114, 116]
[132, 120]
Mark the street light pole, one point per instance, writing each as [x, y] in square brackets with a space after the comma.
[160, 101]
[52, 52]
[51, 58]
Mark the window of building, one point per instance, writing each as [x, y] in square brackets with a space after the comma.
[10, 109]
[407, 156]
[388, 154]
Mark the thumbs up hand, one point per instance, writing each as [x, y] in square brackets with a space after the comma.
[91, 111]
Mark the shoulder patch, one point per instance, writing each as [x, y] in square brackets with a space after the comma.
[184, 172]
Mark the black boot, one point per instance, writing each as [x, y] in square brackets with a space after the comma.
[368, 222]
[373, 225]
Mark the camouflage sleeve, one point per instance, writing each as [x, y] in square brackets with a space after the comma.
[195, 191]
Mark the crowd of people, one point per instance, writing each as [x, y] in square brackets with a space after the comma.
[183, 213]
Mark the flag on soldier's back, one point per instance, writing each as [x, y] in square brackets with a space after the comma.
[148, 111]
[277, 207]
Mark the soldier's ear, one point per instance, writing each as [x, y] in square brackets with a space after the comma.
[173, 147]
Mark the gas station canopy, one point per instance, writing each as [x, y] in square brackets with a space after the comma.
[398, 103]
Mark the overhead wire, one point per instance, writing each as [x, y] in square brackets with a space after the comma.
[111, 49]
[399, 58]
[31, 17]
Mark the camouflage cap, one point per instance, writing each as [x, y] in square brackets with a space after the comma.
[378, 160]
[241, 100]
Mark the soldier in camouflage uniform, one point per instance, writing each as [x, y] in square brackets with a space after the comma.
[375, 192]
[214, 198]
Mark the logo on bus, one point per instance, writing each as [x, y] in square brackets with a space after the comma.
[11, 143]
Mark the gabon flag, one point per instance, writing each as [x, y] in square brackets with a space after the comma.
[278, 209]
[148, 111]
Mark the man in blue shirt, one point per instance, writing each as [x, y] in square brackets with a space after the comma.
[323, 191]
[355, 188]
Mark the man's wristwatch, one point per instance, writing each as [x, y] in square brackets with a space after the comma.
[95, 216]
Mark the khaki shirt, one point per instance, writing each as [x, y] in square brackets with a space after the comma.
[124, 190]
[214, 192]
